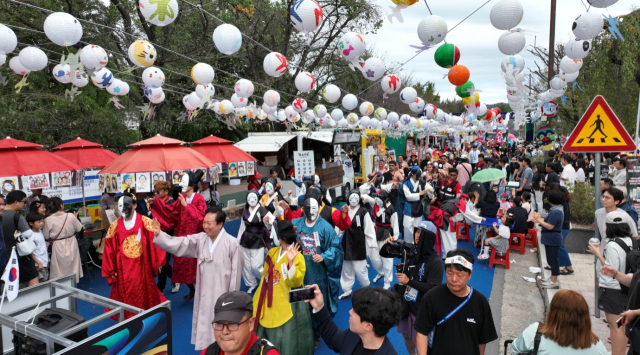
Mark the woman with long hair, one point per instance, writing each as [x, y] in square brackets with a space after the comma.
[60, 230]
[565, 261]
[538, 177]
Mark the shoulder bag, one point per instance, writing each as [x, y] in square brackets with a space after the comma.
[536, 343]
[24, 246]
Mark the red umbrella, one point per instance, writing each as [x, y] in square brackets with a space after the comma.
[212, 140]
[218, 152]
[21, 158]
[84, 153]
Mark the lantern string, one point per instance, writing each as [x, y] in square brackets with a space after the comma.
[428, 8]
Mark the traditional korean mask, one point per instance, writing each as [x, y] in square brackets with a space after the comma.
[252, 199]
[354, 200]
[316, 179]
[310, 208]
[184, 182]
[125, 206]
[269, 188]
[379, 202]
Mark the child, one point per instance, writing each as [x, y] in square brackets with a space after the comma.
[501, 240]
[39, 256]
[504, 203]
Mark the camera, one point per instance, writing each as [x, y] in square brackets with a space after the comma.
[397, 249]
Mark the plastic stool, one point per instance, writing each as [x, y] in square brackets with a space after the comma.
[465, 231]
[520, 245]
[532, 237]
[499, 259]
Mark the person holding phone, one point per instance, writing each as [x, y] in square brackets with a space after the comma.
[286, 325]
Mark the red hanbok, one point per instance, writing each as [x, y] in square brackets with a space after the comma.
[136, 263]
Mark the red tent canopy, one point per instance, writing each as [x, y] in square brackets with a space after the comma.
[212, 140]
[220, 153]
[84, 153]
[21, 158]
[157, 140]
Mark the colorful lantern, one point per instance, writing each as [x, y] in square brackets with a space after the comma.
[33, 58]
[447, 55]
[102, 78]
[577, 49]
[17, 67]
[118, 87]
[512, 42]
[244, 88]
[408, 95]
[380, 113]
[432, 30]
[417, 105]
[390, 84]
[320, 111]
[305, 81]
[239, 101]
[306, 15]
[472, 101]
[465, 89]
[153, 77]
[62, 73]
[351, 47]
[204, 89]
[159, 12]
[366, 108]
[202, 74]
[275, 64]
[569, 65]
[331, 93]
[349, 102]
[299, 104]
[225, 107]
[63, 29]
[271, 98]
[429, 111]
[588, 25]
[142, 54]
[8, 40]
[373, 69]
[227, 39]
[513, 62]
[80, 79]
[290, 112]
[458, 75]
[400, 5]
[93, 57]
[353, 119]
[506, 14]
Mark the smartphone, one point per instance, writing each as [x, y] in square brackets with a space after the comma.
[301, 294]
[619, 322]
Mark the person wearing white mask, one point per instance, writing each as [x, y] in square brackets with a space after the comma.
[270, 199]
[253, 235]
[413, 209]
[386, 230]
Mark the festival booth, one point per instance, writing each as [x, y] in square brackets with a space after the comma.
[229, 160]
[361, 149]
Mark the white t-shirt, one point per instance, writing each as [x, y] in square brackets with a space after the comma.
[41, 248]
[569, 174]
[504, 231]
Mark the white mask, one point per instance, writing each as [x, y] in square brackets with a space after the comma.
[184, 182]
[252, 200]
[311, 209]
[354, 200]
[316, 179]
[379, 202]
[121, 206]
[268, 187]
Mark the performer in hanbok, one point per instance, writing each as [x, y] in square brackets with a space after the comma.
[255, 227]
[337, 218]
[219, 260]
[386, 229]
[270, 199]
[130, 261]
[413, 210]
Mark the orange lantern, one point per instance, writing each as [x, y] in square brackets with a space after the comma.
[458, 75]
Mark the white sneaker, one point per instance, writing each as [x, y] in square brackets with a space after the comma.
[387, 287]
[251, 289]
[484, 256]
[548, 284]
[377, 278]
[345, 295]
[176, 288]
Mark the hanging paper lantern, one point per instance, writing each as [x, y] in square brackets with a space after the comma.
[305, 81]
[271, 98]
[80, 79]
[512, 42]
[275, 64]
[417, 105]
[194, 101]
[306, 15]
[225, 107]
[577, 49]
[513, 62]
[351, 46]
[557, 83]
[458, 75]
[63, 29]
[261, 115]
[337, 114]
[93, 57]
[3, 59]
[187, 105]
[331, 93]
[353, 119]
[440, 116]
[124, 90]
[290, 112]
[159, 12]
[463, 90]
[150, 93]
[295, 118]
[116, 87]
[569, 77]
[429, 111]
[203, 89]
[380, 113]
[588, 25]
[569, 65]
[405, 119]
[62, 73]
[472, 101]
[343, 123]
[153, 77]
[268, 109]
[244, 88]
[432, 30]
[33, 58]
[447, 55]
[373, 69]
[142, 54]
[601, 3]
[408, 95]
[17, 67]
[320, 111]
[240, 111]
[366, 108]
[281, 116]
[8, 40]
[299, 104]
[393, 118]
[349, 102]
[227, 39]
[390, 83]
[482, 112]
[102, 78]
[364, 122]
[238, 101]
[506, 14]
[202, 74]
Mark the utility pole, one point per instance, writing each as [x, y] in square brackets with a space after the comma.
[552, 40]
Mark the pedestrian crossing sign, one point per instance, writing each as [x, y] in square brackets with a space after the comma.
[599, 130]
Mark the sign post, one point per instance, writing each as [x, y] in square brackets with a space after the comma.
[599, 131]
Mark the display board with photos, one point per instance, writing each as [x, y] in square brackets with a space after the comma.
[633, 176]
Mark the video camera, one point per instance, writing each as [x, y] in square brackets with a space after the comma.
[398, 249]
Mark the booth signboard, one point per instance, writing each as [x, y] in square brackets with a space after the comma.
[633, 174]
[367, 155]
[304, 163]
[347, 167]
[344, 137]
[68, 194]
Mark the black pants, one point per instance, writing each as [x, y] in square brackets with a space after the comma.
[553, 258]
[519, 193]
[165, 271]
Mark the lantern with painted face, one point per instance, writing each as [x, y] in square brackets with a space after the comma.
[588, 25]
[142, 54]
[153, 77]
[577, 49]
[93, 57]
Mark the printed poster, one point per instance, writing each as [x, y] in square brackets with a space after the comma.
[9, 183]
[242, 171]
[304, 163]
[142, 182]
[347, 167]
[101, 182]
[177, 175]
[38, 181]
[215, 173]
[128, 181]
[157, 176]
[61, 178]
[233, 170]
[251, 168]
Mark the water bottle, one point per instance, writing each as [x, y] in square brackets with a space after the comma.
[594, 241]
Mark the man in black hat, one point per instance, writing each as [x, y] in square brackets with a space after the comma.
[233, 328]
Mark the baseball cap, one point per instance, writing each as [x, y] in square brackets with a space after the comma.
[615, 217]
[232, 306]
[504, 195]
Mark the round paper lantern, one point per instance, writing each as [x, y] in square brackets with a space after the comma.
[440, 116]
[154, 77]
[351, 45]
[290, 112]
[374, 124]
[102, 78]
[62, 73]
[364, 123]
[80, 79]
[227, 39]
[393, 118]
[187, 105]
[588, 25]
[417, 105]
[515, 62]
[390, 83]
[429, 111]
[506, 14]
[557, 83]
[159, 12]
[117, 87]
[8, 40]
[343, 123]
[482, 112]
[458, 75]
[238, 101]
[447, 55]
[240, 111]
[124, 90]
[408, 95]
[152, 94]
[271, 98]
[488, 116]
[331, 93]
[349, 102]
[17, 67]
[281, 116]
[577, 49]
[366, 108]
[33, 58]
[299, 104]
[275, 64]
[373, 69]
[432, 30]
[244, 88]
[306, 15]
[268, 109]
[384, 125]
[472, 101]
[405, 119]
[308, 117]
[93, 57]
[202, 73]
[142, 54]
[261, 115]
[464, 89]
[601, 3]
[569, 77]
[353, 119]
[203, 89]
[512, 42]
[194, 101]
[63, 29]
[320, 111]
[337, 114]
[569, 65]
[295, 119]
[305, 81]
[225, 107]
[380, 113]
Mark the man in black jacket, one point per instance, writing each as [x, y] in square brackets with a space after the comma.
[375, 311]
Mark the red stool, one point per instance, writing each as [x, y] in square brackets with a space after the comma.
[532, 237]
[499, 259]
[520, 245]
[465, 231]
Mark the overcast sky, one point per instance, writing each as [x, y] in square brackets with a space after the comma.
[476, 38]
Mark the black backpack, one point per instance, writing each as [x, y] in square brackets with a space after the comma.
[632, 261]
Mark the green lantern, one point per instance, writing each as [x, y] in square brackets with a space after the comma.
[463, 90]
[447, 55]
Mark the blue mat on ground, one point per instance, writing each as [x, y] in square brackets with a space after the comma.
[481, 280]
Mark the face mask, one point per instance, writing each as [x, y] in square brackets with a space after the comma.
[184, 183]
[311, 208]
[125, 206]
[269, 188]
[252, 199]
[379, 202]
[316, 179]
[354, 200]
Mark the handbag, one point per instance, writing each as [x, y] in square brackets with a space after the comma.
[24, 246]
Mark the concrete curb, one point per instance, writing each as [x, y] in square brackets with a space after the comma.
[547, 294]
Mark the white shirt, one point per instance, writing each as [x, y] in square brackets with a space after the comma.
[41, 248]
[569, 176]
[580, 177]
[474, 156]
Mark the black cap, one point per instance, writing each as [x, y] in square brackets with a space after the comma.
[232, 306]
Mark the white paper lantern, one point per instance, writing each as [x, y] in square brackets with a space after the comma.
[142, 54]
[63, 29]
[102, 78]
[343, 123]
[320, 111]
[192, 101]
[417, 105]
[62, 73]
[3, 59]
[588, 25]
[390, 83]
[601, 3]
[408, 95]
[577, 49]
[203, 89]
[225, 107]
[557, 83]
[513, 62]
[305, 81]
[366, 108]
[405, 119]
[308, 117]
[432, 30]
[227, 39]
[373, 69]
[275, 64]
[393, 118]
[511, 43]
[440, 116]
[240, 111]
[290, 112]
[380, 113]
[351, 45]
[261, 115]
[337, 114]
[159, 12]
[238, 101]
[151, 93]
[116, 87]
[299, 104]
[17, 67]
[384, 125]
[244, 88]
[93, 57]
[569, 65]
[331, 93]
[80, 79]
[569, 77]
[306, 15]
[429, 111]
[271, 98]
[153, 77]
[124, 90]
[8, 40]
[281, 116]
[558, 93]
[506, 14]
[202, 74]
[364, 123]
[374, 124]
[349, 102]
[268, 109]
[353, 119]
[33, 58]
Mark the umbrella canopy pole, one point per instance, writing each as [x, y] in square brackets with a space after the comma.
[84, 205]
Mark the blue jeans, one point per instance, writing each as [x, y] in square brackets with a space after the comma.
[563, 254]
